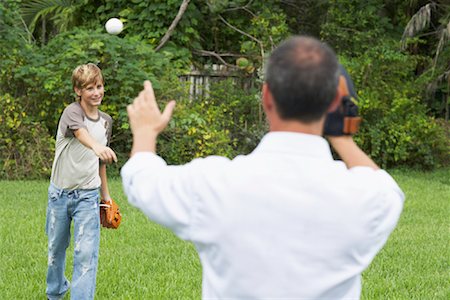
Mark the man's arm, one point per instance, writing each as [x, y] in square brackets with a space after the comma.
[146, 120]
[350, 153]
[105, 153]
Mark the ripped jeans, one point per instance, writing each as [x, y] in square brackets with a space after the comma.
[82, 207]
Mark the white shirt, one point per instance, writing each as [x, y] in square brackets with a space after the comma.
[284, 222]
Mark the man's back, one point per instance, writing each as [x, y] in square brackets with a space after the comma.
[284, 221]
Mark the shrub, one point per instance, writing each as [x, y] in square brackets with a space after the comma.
[227, 122]
[26, 148]
[125, 63]
[396, 130]
[403, 135]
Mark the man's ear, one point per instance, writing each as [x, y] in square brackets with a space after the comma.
[341, 91]
[267, 99]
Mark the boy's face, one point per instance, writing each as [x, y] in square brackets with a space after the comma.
[92, 94]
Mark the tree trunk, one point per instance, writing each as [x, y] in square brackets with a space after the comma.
[44, 25]
[448, 100]
[174, 24]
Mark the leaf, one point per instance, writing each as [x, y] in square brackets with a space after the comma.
[418, 22]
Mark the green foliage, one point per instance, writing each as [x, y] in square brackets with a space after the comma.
[15, 49]
[394, 87]
[26, 148]
[250, 28]
[396, 129]
[125, 63]
[62, 13]
[227, 122]
[150, 20]
[269, 27]
[354, 26]
[403, 135]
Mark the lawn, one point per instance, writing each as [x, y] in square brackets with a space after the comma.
[142, 260]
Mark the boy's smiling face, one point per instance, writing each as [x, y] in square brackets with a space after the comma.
[92, 94]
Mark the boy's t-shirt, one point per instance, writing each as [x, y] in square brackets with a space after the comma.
[75, 166]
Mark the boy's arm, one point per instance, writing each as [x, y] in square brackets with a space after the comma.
[105, 153]
[104, 189]
[350, 153]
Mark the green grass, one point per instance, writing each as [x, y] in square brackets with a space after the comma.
[142, 260]
[415, 263]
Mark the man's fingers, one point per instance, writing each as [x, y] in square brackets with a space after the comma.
[168, 110]
[149, 93]
[144, 111]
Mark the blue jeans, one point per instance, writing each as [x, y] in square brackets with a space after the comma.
[81, 206]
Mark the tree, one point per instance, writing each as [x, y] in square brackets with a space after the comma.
[432, 19]
[169, 32]
[54, 16]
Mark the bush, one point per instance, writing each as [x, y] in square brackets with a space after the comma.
[396, 130]
[15, 49]
[125, 63]
[26, 148]
[404, 136]
[227, 122]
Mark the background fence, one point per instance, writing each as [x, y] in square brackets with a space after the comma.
[200, 80]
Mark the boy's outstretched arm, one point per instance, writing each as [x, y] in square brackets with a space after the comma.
[105, 153]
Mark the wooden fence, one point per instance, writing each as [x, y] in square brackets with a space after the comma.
[200, 80]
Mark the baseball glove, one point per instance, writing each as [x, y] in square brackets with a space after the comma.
[345, 119]
[110, 216]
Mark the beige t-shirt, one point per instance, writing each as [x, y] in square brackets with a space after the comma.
[75, 166]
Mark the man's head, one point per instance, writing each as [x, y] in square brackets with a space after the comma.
[302, 76]
[86, 75]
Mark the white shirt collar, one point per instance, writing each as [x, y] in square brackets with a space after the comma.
[295, 143]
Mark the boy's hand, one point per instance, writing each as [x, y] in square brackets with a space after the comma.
[105, 154]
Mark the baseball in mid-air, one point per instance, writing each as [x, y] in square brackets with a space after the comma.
[114, 26]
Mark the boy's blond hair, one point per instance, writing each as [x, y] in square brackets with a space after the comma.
[86, 74]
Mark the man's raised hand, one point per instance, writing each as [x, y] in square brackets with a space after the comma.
[146, 120]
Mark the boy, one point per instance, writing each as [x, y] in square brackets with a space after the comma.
[77, 177]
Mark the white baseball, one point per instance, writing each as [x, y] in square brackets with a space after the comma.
[114, 26]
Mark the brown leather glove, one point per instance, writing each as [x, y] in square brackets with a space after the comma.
[345, 119]
[110, 216]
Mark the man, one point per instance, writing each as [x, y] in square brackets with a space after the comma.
[77, 177]
[286, 221]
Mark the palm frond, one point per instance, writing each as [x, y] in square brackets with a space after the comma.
[418, 22]
[443, 39]
[34, 10]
